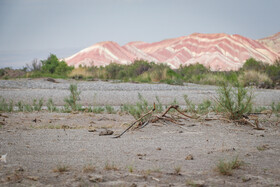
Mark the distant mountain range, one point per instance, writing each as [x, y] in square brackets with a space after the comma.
[219, 52]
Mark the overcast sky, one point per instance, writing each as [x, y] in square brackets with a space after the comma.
[35, 28]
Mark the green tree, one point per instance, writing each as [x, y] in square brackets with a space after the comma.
[54, 66]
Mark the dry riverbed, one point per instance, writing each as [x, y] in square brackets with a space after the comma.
[60, 149]
[65, 149]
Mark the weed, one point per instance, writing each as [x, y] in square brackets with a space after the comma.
[6, 107]
[225, 168]
[204, 107]
[177, 170]
[190, 107]
[110, 109]
[71, 101]
[111, 166]
[159, 106]
[61, 168]
[20, 106]
[37, 106]
[130, 169]
[263, 147]
[235, 101]
[51, 106]
[88, 168]
[98, 110]
[275, 107]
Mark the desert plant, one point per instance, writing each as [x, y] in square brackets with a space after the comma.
[255, 78]
[226, 167]
[61, 168]
[236, 101]
[275, 107]
[5, 106]
[98, 110]
[51, 106]
[37, 106]
[204, 107]
[88, 168]
[74, 96]
[177, 170]
[110, 109]
[111, 166]
[190, 107]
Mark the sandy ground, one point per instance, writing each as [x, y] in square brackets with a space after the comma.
[39, 143]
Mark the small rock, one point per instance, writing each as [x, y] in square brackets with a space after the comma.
[158, 148]
[180, 131]
[133, 185]
[95, 178]
[91, 129]
[189, 157]
[106, 132]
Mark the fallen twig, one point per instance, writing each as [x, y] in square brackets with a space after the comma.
[151, 111]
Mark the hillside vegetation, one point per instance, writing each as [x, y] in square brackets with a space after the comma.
[253, 73]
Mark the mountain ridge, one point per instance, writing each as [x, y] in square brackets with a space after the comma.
[218, 51]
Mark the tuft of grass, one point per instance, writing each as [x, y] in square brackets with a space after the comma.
[51, 106]
[130, 169]
[110, 109]
[5, 106]
[226, 167]
[177, 170]
[88, 168]
[111, 166]
[61, 168]
[37, 106]
[275, 107]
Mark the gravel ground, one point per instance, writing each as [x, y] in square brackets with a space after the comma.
[147, 157]
[116, 94]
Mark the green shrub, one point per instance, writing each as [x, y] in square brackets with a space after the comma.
[5, 106]
[236, 101]
[38, 106]
[225, 168]
[110, 109]
[51, 106]
[275, 107]
[71, 101]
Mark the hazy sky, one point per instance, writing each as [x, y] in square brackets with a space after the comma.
[35, 28]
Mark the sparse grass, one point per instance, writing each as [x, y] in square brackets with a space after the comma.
[226, 167]
[89, 168]
[110, 166]
[130, 169]
[193, 183]
[61, 168]
[37, 106]
[275, 107]
[110, 109]
[5, 106]
[51, 106]
[262, 147]
[177, 170]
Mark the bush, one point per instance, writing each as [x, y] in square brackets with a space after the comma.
[53, 66]
[252, 77]
[236, 101]
[71, 101]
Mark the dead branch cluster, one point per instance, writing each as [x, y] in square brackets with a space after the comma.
[179, 117]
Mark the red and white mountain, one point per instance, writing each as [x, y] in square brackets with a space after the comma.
[219, 52]
[273, 42]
